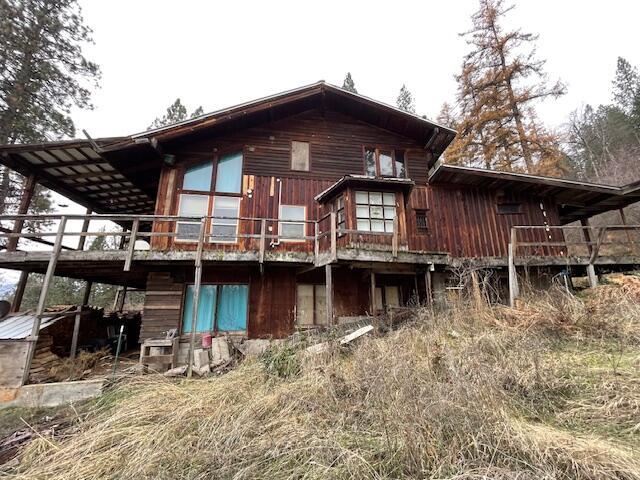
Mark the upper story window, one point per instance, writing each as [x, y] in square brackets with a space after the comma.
[422, 225]
[292, 225]
[384, 162]
[300, 156]
[228, 175]
[375, 211]
[509, 208]
[211, 189]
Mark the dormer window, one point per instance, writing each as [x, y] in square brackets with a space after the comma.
[384, 162]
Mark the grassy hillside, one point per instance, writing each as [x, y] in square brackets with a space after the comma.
[551, 390]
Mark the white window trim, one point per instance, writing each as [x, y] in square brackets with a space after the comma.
[369, 204]
[213, 220]
[294, 222]
[177, 239]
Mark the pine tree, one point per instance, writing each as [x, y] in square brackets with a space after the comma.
[405, 100]
[43, 73]
[500, 81]
[176, 112]
[626, 91]
[348, 84]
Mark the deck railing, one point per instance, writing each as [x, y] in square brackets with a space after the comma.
[320, 236]
[583, 244]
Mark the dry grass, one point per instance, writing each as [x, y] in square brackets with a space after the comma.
[465, 394]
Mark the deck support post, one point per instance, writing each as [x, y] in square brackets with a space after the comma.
[329, 293]
[19, 293]
[334, 237]
[514, 289]
[623, 217]
[428, 286]
[591, 269]
[48, 278]
[196, 296]
[372, 293]
[23, 208]
[132, 244]
[85, 227]
[78, 318]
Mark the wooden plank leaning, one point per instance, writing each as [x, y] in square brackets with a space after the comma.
[48, 278]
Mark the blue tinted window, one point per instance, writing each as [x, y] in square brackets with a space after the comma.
[229, 173]
[198, 177]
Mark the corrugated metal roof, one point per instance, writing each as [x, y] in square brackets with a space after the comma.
[19, 326]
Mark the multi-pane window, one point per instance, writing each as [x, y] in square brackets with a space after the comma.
[300, 156]
[384, 162]
[223, 175]
[224, 224]
[292, 226]
[221, 308]
[191, 206]
[375, 211]
[311, 305]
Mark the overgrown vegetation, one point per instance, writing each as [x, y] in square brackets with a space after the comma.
[548, 391]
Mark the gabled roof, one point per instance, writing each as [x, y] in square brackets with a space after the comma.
[120, 174]
[577, 199]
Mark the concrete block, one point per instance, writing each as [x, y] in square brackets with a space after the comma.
[219, 350]
[55, 394]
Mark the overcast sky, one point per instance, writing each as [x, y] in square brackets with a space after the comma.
[217, 54]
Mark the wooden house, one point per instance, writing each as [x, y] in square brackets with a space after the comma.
[296, 210]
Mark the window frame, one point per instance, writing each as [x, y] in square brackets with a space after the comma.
[376, 156]
[422, 212]
[213, 220]
[177, 239]
[211, 194]
[214, 328]
[281, 222]
[291, 155]
[384, 219]
[520, 210]
[316, 321]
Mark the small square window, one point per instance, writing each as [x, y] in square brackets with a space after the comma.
[511, 208]
[300, 156]
[421, 221]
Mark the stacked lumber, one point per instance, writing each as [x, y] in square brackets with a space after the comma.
[43, 359]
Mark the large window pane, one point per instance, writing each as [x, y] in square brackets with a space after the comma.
[198, 177]
[206, 309]
[229, 173]
[232, 308]
[292, 230]
[370, 162]
[225, 229]
[191, 205]
[386, 164]
[401, 170]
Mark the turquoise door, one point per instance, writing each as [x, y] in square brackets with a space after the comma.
[232, 308]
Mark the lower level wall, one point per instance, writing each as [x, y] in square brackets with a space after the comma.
[13, 361]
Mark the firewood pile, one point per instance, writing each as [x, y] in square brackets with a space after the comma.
[43, 360]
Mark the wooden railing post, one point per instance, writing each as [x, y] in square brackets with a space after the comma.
[48, 277]
[23, 208]
[196, 296]
[394, 239]
[316, 242]
[132, 244]
[334, 238]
